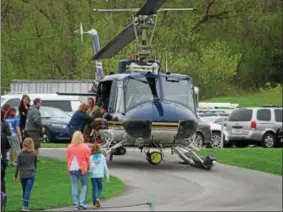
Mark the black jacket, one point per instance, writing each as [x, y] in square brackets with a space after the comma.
[5, 144]
[23, 116]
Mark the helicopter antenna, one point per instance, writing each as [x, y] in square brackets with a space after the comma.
[166, 65]
[144, 19]
[82, 32]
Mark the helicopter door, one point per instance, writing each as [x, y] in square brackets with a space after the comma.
[106, 95]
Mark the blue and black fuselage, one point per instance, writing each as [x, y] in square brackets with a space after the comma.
[146, 101]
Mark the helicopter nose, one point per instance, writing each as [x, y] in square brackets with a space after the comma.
[138, 121]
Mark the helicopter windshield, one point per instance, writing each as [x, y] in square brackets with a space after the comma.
[175, 90]
[137, 92]
[179, 91]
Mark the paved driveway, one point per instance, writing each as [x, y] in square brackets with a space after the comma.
[173, 186]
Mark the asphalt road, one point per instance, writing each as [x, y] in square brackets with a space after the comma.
[172, 186]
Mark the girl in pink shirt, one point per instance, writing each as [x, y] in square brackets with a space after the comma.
[78, 154]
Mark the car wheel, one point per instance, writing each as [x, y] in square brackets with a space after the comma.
[199, 140]
[215, 140]
[268, 140]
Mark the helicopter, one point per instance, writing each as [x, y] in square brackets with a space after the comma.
[149, 108]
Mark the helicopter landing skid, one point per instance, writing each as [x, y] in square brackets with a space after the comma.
[192, 158]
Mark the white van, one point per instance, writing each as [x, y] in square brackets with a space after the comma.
[68, 104]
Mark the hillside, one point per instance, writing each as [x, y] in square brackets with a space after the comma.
[236, 45]
[258, 99]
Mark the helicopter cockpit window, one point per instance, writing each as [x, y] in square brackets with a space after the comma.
[137, 92]
[179, 91]
[103, 93]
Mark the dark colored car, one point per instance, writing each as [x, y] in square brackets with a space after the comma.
[55, 121]
[203, 134]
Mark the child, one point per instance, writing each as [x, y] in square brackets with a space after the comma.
[98, 168]
[16, 138]
[26, 164]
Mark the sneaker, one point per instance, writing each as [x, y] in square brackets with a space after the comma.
[25, 209]
[14, 164]
[75, 208]
[83, 207]
[97, 203]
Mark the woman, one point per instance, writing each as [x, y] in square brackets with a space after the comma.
[97, 169]
[23, 110]
[79, 120]
[26, 164]
[78, 155]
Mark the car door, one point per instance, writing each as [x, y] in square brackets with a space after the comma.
[263, 123]
[278, 118]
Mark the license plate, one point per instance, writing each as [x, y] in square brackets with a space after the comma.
[236, 130]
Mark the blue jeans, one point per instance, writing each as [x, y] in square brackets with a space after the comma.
[75, 176]
[96, 187]
[27, 184]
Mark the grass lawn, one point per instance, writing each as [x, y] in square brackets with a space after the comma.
[273, 97]
[52, 186]
[54, 145]
[261, 159]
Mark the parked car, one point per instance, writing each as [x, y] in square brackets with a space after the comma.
[216, 133]
[255, 126]
[203, 134]
[69, 104]
[55, 121]
[219, 120]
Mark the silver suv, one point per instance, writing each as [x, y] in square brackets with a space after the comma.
[255, 126]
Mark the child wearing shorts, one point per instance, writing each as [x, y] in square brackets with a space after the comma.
[15, 139]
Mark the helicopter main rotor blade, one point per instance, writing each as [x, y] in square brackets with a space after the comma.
[151, 7]
[118, 43]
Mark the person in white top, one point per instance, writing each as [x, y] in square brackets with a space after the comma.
[97, 170]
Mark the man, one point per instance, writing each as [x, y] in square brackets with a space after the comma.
[34, 124]
[93, 108]
[99, 122]
[93, 112]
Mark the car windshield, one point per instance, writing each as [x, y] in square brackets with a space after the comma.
[48, 112]
[2, 100]
[241, 115]
[220, 120]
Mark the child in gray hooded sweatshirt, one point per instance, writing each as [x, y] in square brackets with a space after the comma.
[97, 169]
